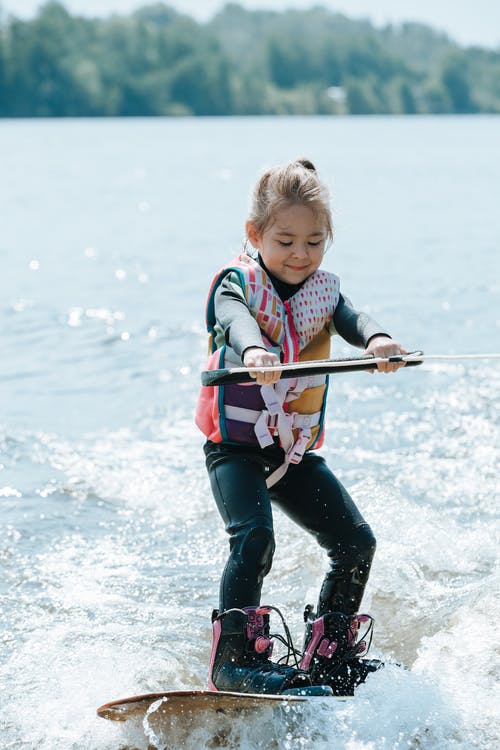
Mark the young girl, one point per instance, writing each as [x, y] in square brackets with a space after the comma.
[269, 306]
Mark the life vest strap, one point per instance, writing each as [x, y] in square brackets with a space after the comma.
[301, 384]
[239, 414]
[275, 420]
[292, 456]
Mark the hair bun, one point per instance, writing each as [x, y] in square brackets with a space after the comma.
[307, 164]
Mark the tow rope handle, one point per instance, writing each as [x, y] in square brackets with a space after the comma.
[228, 376]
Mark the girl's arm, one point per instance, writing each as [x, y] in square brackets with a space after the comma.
[234, 319]
[241, 331]
[359, 329]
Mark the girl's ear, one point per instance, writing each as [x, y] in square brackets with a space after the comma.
[253, 235]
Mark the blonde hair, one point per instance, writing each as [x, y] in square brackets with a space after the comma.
[292, 184]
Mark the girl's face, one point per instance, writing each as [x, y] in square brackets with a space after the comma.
[292, 247]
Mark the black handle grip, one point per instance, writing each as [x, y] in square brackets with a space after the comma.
[316, 367]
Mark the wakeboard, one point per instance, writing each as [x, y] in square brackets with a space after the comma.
[188, 703]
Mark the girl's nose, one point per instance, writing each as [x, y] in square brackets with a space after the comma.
[300, 250]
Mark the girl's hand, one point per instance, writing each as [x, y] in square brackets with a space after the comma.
[255, 357]
[382, 346]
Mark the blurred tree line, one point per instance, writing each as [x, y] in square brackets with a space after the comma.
[160, 62]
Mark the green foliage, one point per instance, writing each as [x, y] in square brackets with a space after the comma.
[160, 62]
[455, 81]
[360, 98]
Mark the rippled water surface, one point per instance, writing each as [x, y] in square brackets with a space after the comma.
[110, 545]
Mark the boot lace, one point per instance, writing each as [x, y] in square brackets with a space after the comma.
[292, 653]
[264, 644]
[357, 643]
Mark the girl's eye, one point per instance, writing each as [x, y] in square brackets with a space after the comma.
[284, 244]
[315, 244]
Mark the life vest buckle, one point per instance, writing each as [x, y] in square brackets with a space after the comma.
[299, 447]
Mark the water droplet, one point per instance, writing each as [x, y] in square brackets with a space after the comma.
[9, 492]
[75, 317]
[21, 304]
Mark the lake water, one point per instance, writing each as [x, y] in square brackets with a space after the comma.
[110, 544]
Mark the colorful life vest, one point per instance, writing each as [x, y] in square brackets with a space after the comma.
[293, 409]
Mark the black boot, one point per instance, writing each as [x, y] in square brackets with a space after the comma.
[240, 659]
[332, 650]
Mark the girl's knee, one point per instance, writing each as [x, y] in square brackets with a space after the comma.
[364, 540]
[256, 548]
[356, 546]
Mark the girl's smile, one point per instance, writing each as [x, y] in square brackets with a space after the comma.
[292, 247]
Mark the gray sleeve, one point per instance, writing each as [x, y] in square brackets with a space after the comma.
[357, 328]
[240, 329]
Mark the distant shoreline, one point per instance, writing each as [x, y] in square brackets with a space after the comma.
[158, 62]
[298, 116]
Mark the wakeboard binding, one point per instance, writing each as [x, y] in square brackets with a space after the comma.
[241, 656]
[334, 643]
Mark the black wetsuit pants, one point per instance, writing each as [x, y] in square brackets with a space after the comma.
[312, 497]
